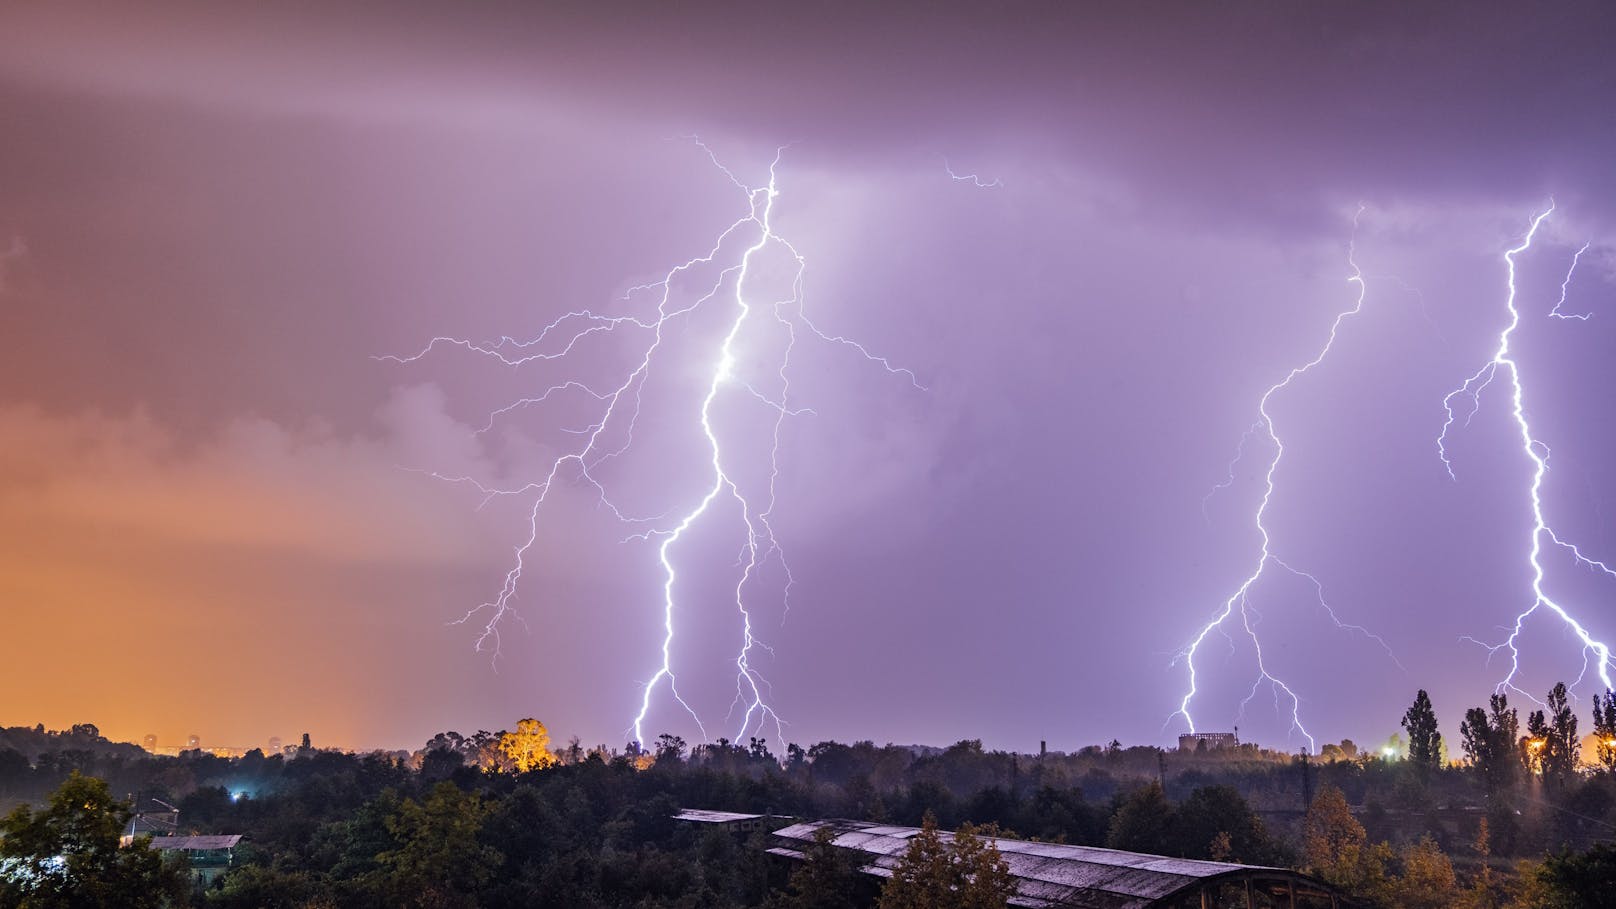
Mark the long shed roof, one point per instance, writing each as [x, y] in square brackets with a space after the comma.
[1056, 875]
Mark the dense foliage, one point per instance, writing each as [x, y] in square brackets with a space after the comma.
[67, 855]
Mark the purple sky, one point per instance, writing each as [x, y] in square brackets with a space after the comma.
[212, 221]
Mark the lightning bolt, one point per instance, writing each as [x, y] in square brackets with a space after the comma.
[1565, 287]
[1239, 602]
[616, 410]
[1537, 452]
[972, 179]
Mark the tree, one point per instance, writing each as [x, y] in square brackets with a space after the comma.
[1329, 830]
[1483, 887]
[828, 878]
[670, 749]
[440, 860]
[1489, 739]
[440, 763]
[1427, 881]
[86, 731]
[1336, 848]
[1579, 880]
[759, 750]
[67, 856]
[15, 770]
[1143, 822]
[1424, 741]
[1605, 730]
[528, 747]
[967, 872]
[1554, 739]
[1216, 823]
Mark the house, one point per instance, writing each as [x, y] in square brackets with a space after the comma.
[209, 856]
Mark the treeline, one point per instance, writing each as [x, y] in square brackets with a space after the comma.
[333, 829]
[506, 819]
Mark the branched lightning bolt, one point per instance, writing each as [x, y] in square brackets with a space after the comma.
[1538, 454]
[1565, 286]
[972, 179]
[617, 408]
[1240, 601]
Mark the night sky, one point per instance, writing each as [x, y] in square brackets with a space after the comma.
[217, 513]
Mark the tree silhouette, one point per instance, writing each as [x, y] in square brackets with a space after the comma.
[1605, 730]
[1554, 739]
[1490, 741]
[1424, 741]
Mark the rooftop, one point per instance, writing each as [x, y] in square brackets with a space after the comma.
[702, 816]
[194, 843]
[1049, 875]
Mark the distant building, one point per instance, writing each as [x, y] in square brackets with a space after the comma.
[1208, 741]
[149, 743]
[193, 741]
[274, 745]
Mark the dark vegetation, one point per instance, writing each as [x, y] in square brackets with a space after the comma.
[1524, 820]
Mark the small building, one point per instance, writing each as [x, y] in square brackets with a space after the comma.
[732, 822]
[209, 856]
[1208, 741]
[1057, 876]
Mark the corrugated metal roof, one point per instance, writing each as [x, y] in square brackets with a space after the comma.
[1050, 874]
[702, 816]
[196, 842]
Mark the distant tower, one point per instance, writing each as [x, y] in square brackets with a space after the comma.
[274, 745]
[193, 741]
[149, 743]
